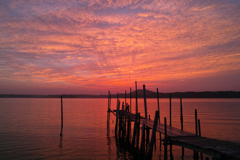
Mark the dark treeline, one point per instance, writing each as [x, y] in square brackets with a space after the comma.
[149, 94]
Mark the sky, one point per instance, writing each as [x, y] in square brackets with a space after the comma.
[92, 46]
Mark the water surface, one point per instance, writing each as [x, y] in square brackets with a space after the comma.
[30, 128]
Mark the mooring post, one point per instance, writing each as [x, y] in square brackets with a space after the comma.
[61, 112]
[109, 101]
[120, 124]
[118, 106]
[158, 105]
[122, 105]
[181, 119]
[145, 100]
[199, 133]
[61, 116]
[153, 133]
[130, 97]
[143, 137]
[134, 129]
[125, 97]
[196, 129]
[138, 130]
[136, 97]
[125, 119]
[165, 139]
[159, 117]
[129, 127]
[170, 103]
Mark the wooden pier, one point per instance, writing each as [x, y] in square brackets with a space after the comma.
[219, 149]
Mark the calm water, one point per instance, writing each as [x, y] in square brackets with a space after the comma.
[29, 128]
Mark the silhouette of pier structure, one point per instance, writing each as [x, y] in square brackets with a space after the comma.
[218, 149]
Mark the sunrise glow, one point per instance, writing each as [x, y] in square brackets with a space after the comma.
[77, 47]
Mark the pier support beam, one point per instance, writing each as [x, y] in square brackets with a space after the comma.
[134, 130]
[117, 114]
[170, 109]
[153, 133]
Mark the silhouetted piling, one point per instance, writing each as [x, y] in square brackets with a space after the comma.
[145, 101]
[130, 98]
[170, 107]
[134, 129]
[61, 116]
[153, 137]
[199, 133]
[181, 119]
[136, 97]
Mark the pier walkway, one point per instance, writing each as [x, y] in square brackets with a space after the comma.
[223, 150]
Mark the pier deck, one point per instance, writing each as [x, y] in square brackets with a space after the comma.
[213, 147]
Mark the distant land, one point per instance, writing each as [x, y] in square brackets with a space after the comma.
[149, 94]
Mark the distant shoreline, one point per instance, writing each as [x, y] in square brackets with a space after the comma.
[149, 94]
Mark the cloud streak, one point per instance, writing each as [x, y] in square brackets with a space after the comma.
[110, 44]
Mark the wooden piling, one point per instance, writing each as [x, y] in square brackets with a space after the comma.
[158, 105]
[125, 119]
[125, 97]
[136, 97]
[138, 130]
[196, 131]
[143, 137]
[134, 130]
[196, 121]
[170, 105]
[160, 135]
[199, 133]
[61, 117]
[118, 106]
[181, 119]
[165, 139]
[120, 125]
[145, 100]
[153, 132]
[109, 101]
[61, 112]
[130, 97]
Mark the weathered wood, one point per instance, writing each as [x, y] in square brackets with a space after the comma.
[199, 133]
[125, 119]
[130, 109]
[61, 112]
[120, 125]
[134, 129]
[165, 139]
[170, 109]
[61, 117]
[181, 119]
[125, 97]
[158, 104]
[145, 100]
[117, 114]
[136, 97]
[138, 129]
[196, 127]
[195, 154]
[143, 137]
[153, 137]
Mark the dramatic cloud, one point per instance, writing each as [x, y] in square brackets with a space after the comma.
[70, 46]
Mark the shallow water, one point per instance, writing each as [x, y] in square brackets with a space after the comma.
[30, 128]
